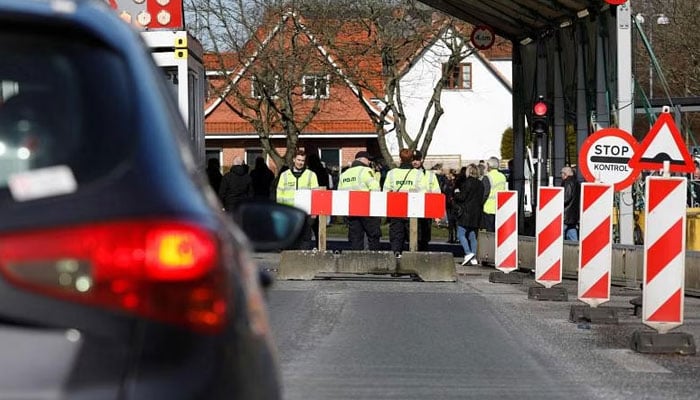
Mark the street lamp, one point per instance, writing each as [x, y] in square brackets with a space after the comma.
[661, 19]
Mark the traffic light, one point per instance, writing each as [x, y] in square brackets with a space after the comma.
[540, 120]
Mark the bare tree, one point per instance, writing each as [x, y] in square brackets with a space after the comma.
[394, 35]
[372, 43]
[271, 73]
[671, 28]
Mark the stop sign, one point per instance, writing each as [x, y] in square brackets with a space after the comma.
[605, 156]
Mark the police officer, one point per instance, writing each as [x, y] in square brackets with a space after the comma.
[494, 181]
[404, 178]
[295, 178]
[361, 177]
[428, 183]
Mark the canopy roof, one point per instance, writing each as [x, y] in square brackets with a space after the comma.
[519, 20]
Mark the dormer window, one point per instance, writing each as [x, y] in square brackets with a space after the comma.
[315, 86]
[458, 77]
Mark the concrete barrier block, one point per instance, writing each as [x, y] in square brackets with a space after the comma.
[366, 262]
[692, 273]
[305, 264]
[429, 266]
[627, 265]
[526, 253]
[486, 247]
[569, 262]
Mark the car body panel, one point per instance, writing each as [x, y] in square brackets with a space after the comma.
[142, 169]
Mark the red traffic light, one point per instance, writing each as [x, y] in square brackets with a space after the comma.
[540, 109]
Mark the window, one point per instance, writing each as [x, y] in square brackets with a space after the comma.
[330, 157]
[459, 77]
[251, 155]
[315, 86]
[51, 116]
[258, 87]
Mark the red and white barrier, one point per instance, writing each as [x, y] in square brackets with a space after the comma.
[357, 203]
[506, 255]
[549, 242]
[595, 245]
[664, 253]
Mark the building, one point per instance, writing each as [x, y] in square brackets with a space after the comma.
[477, 103]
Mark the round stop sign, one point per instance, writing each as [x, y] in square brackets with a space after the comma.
[605, 156]
[482, 37]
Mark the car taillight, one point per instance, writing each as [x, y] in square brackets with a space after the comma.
[162, 270]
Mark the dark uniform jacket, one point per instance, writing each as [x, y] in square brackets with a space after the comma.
[468, 202]
[571, 201]
[235, 186]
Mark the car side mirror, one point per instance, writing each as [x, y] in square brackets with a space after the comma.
[270, 225]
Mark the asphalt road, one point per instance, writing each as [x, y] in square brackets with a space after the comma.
[381, 338]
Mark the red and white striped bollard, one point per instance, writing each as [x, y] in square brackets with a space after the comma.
[506, 254]
[595, 244]
[664, 253]
[549, 243]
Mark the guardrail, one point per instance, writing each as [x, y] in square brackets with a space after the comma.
[627, 264]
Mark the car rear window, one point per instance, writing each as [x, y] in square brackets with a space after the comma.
[64, 106]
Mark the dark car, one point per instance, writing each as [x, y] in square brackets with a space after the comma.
[120, 277]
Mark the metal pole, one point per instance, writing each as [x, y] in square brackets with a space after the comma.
[625, 109]
[651, 63]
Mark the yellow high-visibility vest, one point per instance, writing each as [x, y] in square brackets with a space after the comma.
[402, 180]
[498, 183]
[288, 184]
[358, 177]
[429, 183]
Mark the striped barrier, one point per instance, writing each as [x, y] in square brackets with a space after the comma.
[357, 203]
[595, 255]
[506, 230]
[664, 253]
[428, 266]
[627, 264]
[549, 236]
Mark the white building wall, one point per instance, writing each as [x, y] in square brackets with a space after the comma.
[474, 119]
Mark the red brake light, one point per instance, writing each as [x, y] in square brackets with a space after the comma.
[540, 108]
[164, 270]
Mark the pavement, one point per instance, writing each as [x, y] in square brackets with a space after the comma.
[622, 298]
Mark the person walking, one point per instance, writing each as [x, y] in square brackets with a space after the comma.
[295, 178]
[262, 178]
[214, 174]
[448, 190]
[236, 185]
[404, 178]
[494, 181]
[571, 203]
[428, 183]
[360, 176]
[468, 199]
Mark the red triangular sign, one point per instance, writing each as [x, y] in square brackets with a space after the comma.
[663, 142]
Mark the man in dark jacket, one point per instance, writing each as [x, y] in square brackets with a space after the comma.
[214, 173]
[235, 186]
[571, 203]
[262, 178]
[468, 197]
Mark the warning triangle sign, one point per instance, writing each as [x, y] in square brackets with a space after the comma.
[663, 143]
